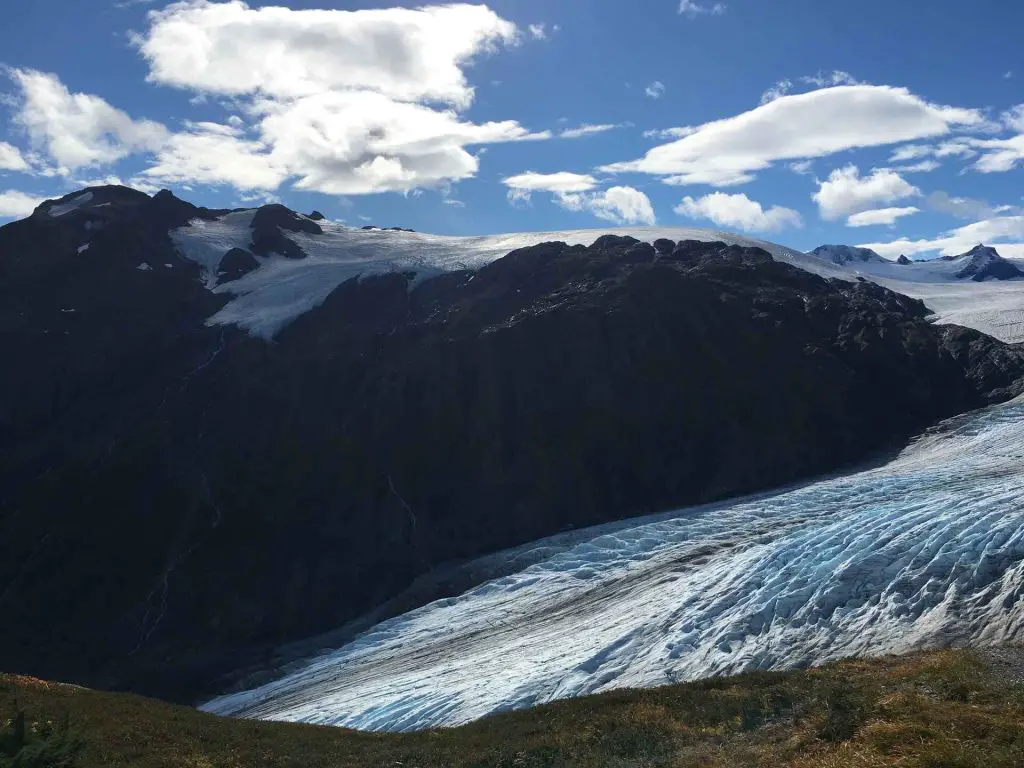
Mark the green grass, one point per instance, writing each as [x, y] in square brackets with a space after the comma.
[944, 709]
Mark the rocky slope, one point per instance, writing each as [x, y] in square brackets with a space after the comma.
[176, 498]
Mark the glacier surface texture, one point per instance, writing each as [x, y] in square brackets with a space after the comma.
[926, 550]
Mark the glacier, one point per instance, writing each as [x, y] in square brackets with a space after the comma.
[925, 549]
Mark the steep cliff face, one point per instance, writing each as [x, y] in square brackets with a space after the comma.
[177, 498]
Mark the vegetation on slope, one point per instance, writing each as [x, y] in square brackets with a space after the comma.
[949, 708]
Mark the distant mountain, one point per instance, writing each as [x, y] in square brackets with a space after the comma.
[983, 263]
[224, 430]
[847, 254]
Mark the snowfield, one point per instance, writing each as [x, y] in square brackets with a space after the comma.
[926, 550]
[267, 299]
[282, 289]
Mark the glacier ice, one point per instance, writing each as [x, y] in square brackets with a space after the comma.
[926, 550]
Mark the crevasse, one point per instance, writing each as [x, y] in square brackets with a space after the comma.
[926, 550]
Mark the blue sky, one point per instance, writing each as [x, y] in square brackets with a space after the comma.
[803, 122]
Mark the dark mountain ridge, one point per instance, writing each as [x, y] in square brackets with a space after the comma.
[177, 498]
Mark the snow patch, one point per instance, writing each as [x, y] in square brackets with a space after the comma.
[66, 207]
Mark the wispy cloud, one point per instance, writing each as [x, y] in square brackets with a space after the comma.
[880, 217]
[693, 8]
[655, 90]
[588, 130]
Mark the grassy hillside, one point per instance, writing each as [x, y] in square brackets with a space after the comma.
[948, 709]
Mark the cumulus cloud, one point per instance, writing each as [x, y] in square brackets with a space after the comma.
[14, 204]
[655, 90]
[11, 158]
[886, 216]
[408, 54]
[694, 8]
[358, 142]
[209, 154]
[539, 31]
[574, 192]
[77, 129]
[343, 102]
[846, 192]
[798, 127]
[954, 242]
[587, 130]
[738, 211]
[620, 205]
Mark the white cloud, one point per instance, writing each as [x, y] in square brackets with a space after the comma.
[344, 102]
[76, 129]
[693, 8]
[670, 133]
[887, 216]
[587, 130]
[1001, 155]
[801, 167]
[563, 182]
[797, 127]
[539, 31]
[1014, 118]
[655, 90]
[845, 192]
[407, 54]
[738, 211]
[208, 154]
[14, 204]
[925, 166]
[573, 191]
[953, 243]
[358, 143]
[910, 152]
[1007, 75]
[453, 202]
[11, 158]
[777, 91]
[620, 205]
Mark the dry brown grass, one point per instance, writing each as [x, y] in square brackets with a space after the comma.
[922, 711]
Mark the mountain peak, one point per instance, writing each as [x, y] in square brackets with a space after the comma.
[109, 195]
[984, 262]
[845, 254]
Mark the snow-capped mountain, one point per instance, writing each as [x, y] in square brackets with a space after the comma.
[227, 430]
[983, 263]
[846, 254]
